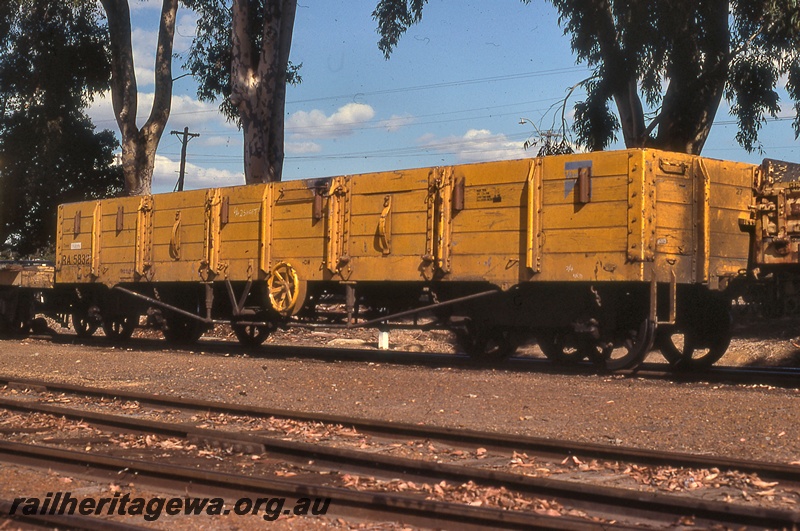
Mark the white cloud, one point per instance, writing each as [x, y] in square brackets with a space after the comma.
[165, 175]
[302, 148]
[141, 5]
[396, 122]
[185, 30]
[186, 111]
[315, 124]
[220, 140]
[101, 112]
[144, 55]
[144, 41]
[476, 145]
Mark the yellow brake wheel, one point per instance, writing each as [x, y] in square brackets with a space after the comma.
[285, 288]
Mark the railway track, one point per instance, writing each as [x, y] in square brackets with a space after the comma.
[552, 448]
[786, 377]
[372, 505]
[612, 504]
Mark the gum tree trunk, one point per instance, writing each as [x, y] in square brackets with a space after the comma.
[139, 144]
[259, 86]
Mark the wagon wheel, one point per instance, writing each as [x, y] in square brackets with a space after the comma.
[685, 350]
[120, 327]
[253, 335]
[486, 344]
[17, 327]
[565, 347]
[700, 344]
[702, 339]
[285, 289]
[630, 347]
[84, 325]
[183, 330]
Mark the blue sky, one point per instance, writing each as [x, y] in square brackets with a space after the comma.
[454, 91]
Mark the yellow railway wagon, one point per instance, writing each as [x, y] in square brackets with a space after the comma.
[642, 234]
[20, 286]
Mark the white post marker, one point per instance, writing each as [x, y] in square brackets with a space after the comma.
[383, 340]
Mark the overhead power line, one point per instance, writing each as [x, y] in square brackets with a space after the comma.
[446, 84]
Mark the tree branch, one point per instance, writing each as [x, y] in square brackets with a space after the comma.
[123, 76]
[162, 101]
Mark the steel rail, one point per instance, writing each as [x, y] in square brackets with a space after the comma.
[624, 502]
[783, 377]
[343, 501]
[458, 437]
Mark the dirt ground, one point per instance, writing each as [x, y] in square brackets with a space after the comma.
[697, 417]
[757, 421]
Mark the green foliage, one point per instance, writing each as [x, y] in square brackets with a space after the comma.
[209, 58]
[595, 124]
[44, 163]
[677, 57]
[681, 54]
[394, 17]
[53, 60]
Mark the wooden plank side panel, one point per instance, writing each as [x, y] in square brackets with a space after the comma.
[73, 261]
[190, 217]
[403, 202]
[583, 242]
[295, 237]
[604, 164]
[188, 234]
[503, 243]
[485, 221]
[675, 216]
[493, 174]
[293, 211]
[239, 238]
[487, 197]
[595, 215]
[401, 245]
[574, 233]
[178, 248]
[611, 188]
[124, 239]
[179, 201]
[674, 241]
[387, 223]
[572, 267]
[401, 223]
[400, 181]
[673, 190]
[376, 268]
[290, 248]
[730, 196]
[486, 232]
[118, 252]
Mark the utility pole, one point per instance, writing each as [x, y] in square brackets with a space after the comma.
[185, 140]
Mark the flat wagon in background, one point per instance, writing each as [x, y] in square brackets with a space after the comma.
[595, 255]
[21, 287]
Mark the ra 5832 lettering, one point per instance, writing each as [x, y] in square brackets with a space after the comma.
[76, 259]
